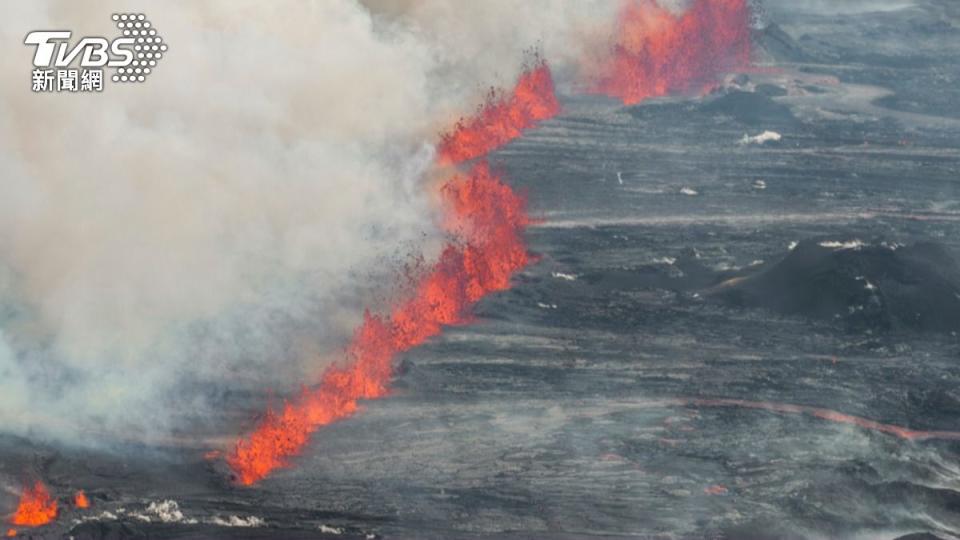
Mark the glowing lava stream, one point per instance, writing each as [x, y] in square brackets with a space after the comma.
[657, 53]
[502, 118]
[36, 507]
[490, 219]
[824, 414]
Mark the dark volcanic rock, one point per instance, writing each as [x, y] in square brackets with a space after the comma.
[752, 109]
[771, 90]
[918, 536]
[683, 274]
[868, 286]
[779, 45]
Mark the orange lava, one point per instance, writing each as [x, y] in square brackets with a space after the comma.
[36, 507]
[487, 219]
[716, 489]
[657, 53]
[80, 500]
[503, 117]
[11, 533]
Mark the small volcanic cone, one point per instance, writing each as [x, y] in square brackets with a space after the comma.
[488, 220]
[502, 118]
[657, 53]
[36, 507]
[80, 500]
[875, 286]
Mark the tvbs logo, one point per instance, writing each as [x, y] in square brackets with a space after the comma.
[62, 67]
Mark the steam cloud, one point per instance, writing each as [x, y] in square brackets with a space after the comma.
[223, 225]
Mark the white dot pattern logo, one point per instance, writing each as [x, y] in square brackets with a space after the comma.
[149, 46]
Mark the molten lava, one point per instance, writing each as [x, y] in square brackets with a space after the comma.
[487, 219]
[657, 53]
[503, 117]
[80, 500]
[716, 489]
[36, 507]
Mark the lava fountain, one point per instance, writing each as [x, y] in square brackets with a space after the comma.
[487, 220]
[658, 53]
[36, 507]
[502, 118]
[80, 500]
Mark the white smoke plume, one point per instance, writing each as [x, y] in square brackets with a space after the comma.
[224, 224]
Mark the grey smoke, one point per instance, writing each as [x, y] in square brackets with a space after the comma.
[224, 224]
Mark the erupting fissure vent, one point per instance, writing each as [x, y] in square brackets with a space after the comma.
[488, 219]
[503, 117]
[485, 218]
[36, 507]
[655, 53]
[658, 53]
[80, 500]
